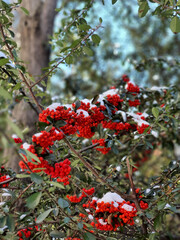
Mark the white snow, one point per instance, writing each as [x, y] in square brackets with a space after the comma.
[167, 206]
[53, 106]
[137, 118]
[14, 136]
[156, 88]
[154, 133]
[128, 207]
[88, 101]
[95, 198]
[37, 134]
[90, 217]
[85, 113]
[26, 145]
[110, 197]
[87, 210]
[68, 106]
[110, 92]
[118, 168]
[123, 115]
[102, 222]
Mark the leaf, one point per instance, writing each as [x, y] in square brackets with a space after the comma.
[96, 39]
[175, 25]
[3, 61]
[56, 184]
[69, 60]
[57, 234]
[89, 236]
[155, 112]
[63, 203]
[10, 223]
[36, 178]
[25, 10]
[80, 225]
[111, 238]
[4, 93]
[158, 222]
[22, 175]
[161, 205]
[33, 200]
[84, 27]
[66, 220]
[2, 221]
[43, 215]
[95, 99]
[32, 156]
[143, 9]
[88, 51]
[114, 1]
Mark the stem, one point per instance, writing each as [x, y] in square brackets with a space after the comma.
[94, 172]
[20, 73]
[62, 60]
[144, 227]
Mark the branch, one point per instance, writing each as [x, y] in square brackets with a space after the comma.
[165, 6]
[94, 172]
[20, 73]
[62, 60]
[144, 227]
[21, 90]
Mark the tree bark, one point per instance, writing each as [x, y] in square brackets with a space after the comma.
[35, 30]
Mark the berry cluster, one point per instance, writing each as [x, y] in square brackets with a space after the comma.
[102, 143]
[16, 138]
[3, 177]
[26, 232]
[85, 193]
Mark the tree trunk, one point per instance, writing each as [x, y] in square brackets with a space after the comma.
[35, 30]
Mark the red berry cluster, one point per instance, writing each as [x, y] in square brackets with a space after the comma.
[85, 193]
[102, 143]
[125, 78]
[108, 216]
[134, 103]
[26, 232]
[3, 177]
[132, 88]
[16, 139]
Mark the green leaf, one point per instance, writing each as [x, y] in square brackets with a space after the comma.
[80, 225]
[10, 223]
[25, 10]
[56, 184]
[30, 156]
[69, 60]
[33, 200]
[161, 205]
[175, 25]
[36, 178]
[57, 234]
[96, 39]
[111, 238]
[158, 222]
[43, 215]
[114, 1]
[66, 220]
[143, 9]
[88, 51]
[4, 93]
[84, 27]
[89, 236]
[63, 203]
[2, 221]
[3, 61]
[22, 175]
[155, 112]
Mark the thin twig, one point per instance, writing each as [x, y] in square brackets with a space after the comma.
[62, 60]
[93, 170]
[144, 227]
[20, 73]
